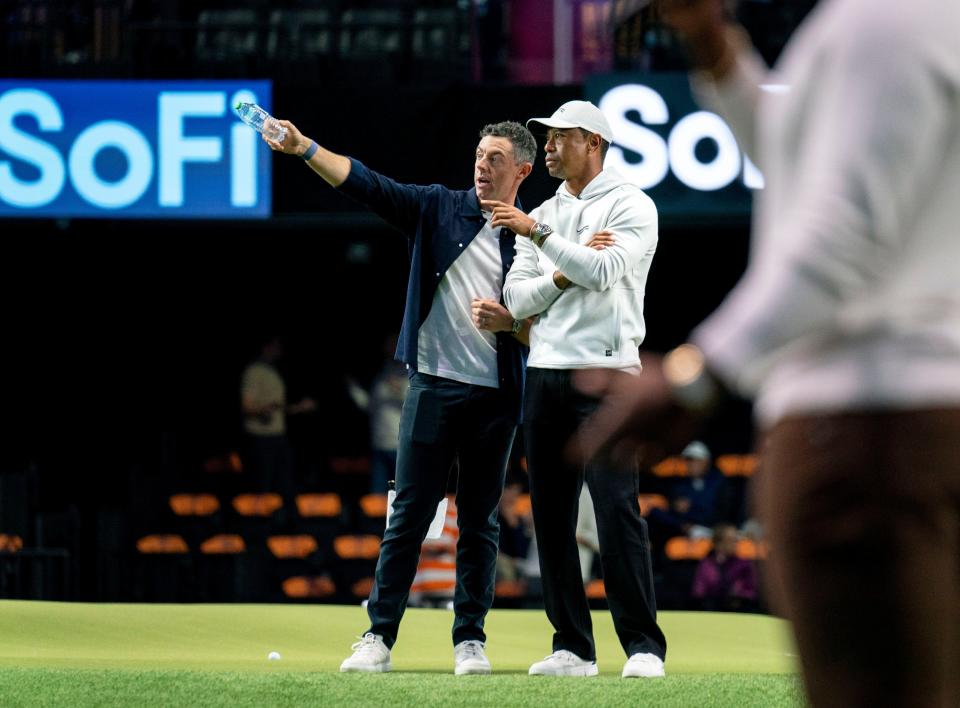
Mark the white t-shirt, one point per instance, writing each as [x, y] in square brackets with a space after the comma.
[449, 345]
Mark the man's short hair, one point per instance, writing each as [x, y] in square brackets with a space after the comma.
[524, 144]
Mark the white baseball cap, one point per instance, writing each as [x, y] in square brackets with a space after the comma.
[696, 451]
[578, 114]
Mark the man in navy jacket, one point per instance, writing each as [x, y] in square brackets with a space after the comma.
[465, 356]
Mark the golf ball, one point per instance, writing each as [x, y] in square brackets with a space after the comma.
[273, 656]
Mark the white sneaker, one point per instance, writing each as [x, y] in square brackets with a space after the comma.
[370, 655]
[469, 658]
[564, 663]
[643, 666]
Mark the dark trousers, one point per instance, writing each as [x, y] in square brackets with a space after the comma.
[862, 511]
[552, 413]
[444, 421]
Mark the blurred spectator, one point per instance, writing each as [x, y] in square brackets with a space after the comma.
[695, 499]
[588, 538]
[263, 397]
[384, 404]
[516, 530]
[723, 581]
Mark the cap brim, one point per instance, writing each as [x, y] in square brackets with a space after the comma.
[552, 123]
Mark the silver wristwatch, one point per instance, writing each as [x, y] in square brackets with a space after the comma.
[539, 232]
[516, 327]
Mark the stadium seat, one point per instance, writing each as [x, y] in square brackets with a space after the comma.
[227, 35]
[671, 467]
[299, 34]
[362, 587]
[357, 547]
[308, 587]
[510, 589]
[296, 546]
[374, 505]
[262, 505]
[319, 505]
[223, 544]
[596, 590]
[649, 502]
[681, 548]
[10, 543]
[162, 543]
[751, 550]
[194, 504]
[738, 465]
[523, 506]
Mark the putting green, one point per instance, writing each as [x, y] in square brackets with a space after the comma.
[312, 638]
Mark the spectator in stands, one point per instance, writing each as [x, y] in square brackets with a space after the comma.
[516, 529]
[846, 331]
[263, 401]
[383, 403]
[723, 581]
[694, 499]
[465, 354]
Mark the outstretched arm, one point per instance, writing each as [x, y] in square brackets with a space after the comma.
[332, 167]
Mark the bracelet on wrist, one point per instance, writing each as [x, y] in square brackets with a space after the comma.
[309, 152]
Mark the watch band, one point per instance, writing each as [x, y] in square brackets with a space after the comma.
[516, 327]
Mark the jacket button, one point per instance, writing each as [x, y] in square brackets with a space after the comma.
[460, 244]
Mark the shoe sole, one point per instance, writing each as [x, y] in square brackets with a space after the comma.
[379, 669]
[471, 671]
[581, 671]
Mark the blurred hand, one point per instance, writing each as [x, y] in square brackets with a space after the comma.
[294, 144]
[600, 240]
[490, 315]
[638, 417]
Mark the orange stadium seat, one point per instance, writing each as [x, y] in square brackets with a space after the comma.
[257, 504]
[165, 543]
[596, 590]
[318, 505]
[751, 550]
[671, 467]
[362, 587]
[510, 589]
[683, 548]
[194, 504]
[303, 587]
[649, 502]
[223, 544]
[357, 547]
[296, 546]
[738, 465]
[374, 505]
[10, 543]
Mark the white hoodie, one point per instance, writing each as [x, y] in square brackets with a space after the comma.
[598, 321]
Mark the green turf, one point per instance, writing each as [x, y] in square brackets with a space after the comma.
[83, 654]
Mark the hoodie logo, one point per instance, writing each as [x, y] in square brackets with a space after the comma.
[582, 229]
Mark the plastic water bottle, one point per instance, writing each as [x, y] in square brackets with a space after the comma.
[261, 121]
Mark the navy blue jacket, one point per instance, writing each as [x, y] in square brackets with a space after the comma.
[439, 224]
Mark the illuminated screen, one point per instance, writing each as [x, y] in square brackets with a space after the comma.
[684, 157]
[131, 149]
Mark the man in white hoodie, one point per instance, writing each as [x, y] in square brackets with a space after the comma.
[589, 308]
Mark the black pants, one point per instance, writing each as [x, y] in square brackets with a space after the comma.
[444, 420]
[552, 413]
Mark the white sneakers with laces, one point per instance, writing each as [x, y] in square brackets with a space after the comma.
[469, 658]
[643, 666]
[370, 655]
[564, 663]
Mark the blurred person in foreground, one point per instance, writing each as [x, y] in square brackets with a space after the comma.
[464, 397]
[846, 331]
[589, 308]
